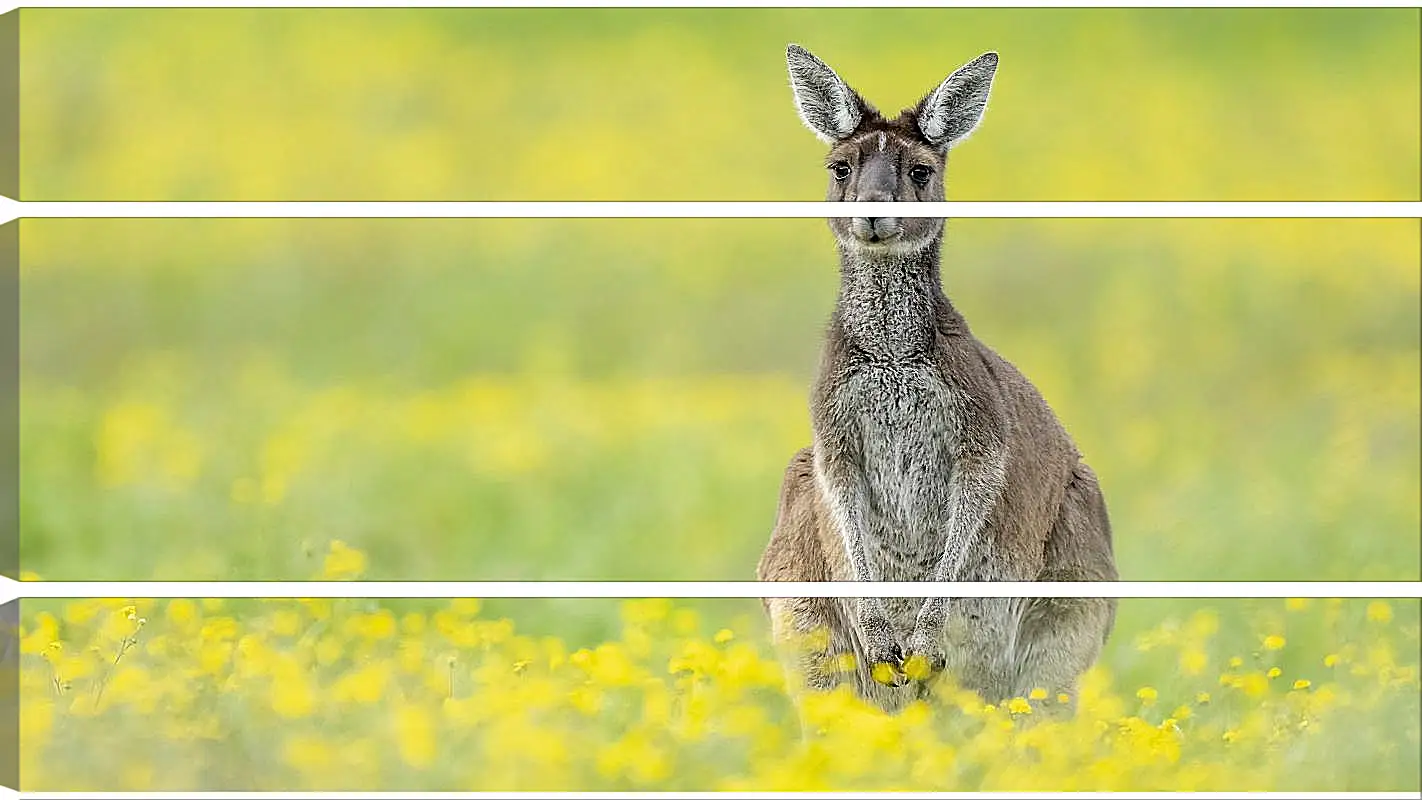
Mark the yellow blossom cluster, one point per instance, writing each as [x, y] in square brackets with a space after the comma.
[316, 694]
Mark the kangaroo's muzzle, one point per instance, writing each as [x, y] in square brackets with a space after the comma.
[874, 230]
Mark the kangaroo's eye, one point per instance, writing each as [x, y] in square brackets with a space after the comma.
[920, 174]
[840, 170]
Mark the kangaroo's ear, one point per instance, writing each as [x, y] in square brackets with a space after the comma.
[826, 104]
[951, 112]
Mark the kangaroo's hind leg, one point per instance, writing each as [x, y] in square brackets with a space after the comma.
[1060, 638]
[811, 634]
[810, 640]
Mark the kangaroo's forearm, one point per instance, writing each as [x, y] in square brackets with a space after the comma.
[978, 484]
[846, 498]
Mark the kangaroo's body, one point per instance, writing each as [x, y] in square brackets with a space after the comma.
[933, 459]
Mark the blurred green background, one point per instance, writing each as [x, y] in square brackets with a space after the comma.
[694, 104]
[617, 399]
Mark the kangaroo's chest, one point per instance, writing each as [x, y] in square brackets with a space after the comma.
[906, 421]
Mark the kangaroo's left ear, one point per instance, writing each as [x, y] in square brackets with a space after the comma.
[951, 112]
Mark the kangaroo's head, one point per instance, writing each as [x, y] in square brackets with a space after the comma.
[876, 159]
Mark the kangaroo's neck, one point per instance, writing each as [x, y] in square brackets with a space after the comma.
[892, 305]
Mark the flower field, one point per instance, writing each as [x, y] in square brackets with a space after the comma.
[590, 399]
[444, 695]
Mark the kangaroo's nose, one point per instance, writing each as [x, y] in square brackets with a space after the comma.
[875, 229]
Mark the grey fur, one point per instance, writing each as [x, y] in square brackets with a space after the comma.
[826, 104]
[933, 457]
[951, 112]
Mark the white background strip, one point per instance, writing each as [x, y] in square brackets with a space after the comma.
[718, 795]
[709, 3]
[11, 209]
[696, 589]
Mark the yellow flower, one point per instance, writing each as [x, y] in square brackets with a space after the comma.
[1254, 685]
[1379, 611]
[44, 636]
[884, 673]
[343, 562]
[466, 606]
[411, 656]
[1193, 661]
[364, 685]
[286, 622]
[646, 706]
[610, 665]
[80, 612]
[634, 756]
[415, 736]
[685, 621]
[1274, 642]
[219, 629]
[917, 667]
[72, 668]
[318, 607]
[645, 611]
[308, 754]
[586, 699]
[1297, 603]
[293, 696]
[376, 626]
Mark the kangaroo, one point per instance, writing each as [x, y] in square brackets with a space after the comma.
[933, 458]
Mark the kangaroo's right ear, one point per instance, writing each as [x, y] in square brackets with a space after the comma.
[826, 104]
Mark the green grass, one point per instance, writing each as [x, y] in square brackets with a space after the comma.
[604, 399]
[667, 104]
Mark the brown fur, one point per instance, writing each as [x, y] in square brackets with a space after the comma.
[934, 459]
